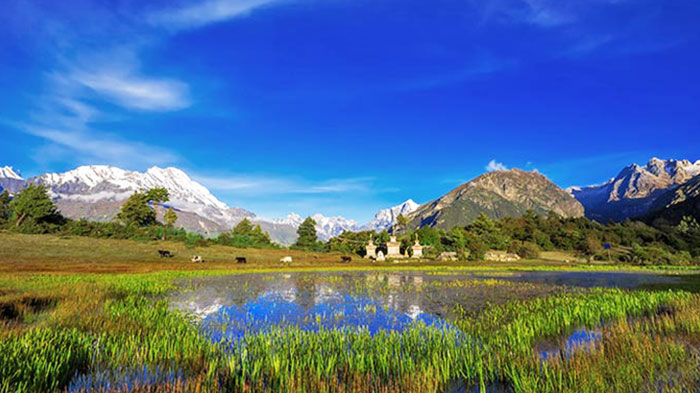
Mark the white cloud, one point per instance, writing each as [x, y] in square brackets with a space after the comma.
[496, 166]
[136, 92]
[264, 185]
[206, 12]
[91, 147]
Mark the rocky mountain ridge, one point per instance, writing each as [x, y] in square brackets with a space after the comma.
[632, 193]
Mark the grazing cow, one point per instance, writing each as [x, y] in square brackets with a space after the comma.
[165, 254]
[345, 259]
[241, 260]
[286, 259]
[197, 259]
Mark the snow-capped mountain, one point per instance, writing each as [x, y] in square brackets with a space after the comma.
[9, 173]
[10, 180]
[101, 183]
[386, 218]
[326, 227]
[632, 192]
[292, 219]
[96, 192]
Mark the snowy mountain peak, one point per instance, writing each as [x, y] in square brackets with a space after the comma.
[97, 183]
[292, 219]
[9, 173]
[387, 217]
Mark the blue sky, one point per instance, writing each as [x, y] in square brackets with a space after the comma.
[344, 107]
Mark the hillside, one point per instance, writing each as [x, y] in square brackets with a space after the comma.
[498, 194]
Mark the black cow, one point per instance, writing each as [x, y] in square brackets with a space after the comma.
[241, 260]
[345, 259]
[165, 254]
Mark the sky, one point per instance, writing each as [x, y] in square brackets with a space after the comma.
[345, 107]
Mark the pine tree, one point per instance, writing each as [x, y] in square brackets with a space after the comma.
[137, 210]
[5, 210]
[306, 232]
[33, 202]
[170, 217]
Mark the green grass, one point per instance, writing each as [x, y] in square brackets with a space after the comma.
[66, 323]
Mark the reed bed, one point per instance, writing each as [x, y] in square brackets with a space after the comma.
[118, 334]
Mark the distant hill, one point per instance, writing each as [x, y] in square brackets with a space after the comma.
[498, 194]
[635, 189]
[677, 203]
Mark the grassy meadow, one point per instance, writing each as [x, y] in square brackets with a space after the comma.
[77, 313]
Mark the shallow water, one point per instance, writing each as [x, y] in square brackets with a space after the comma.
[232, 306]
[579, 339]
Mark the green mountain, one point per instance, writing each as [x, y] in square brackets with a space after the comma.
[677, 203]
[497, 194]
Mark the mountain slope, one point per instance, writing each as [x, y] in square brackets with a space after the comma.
[498, 194]
[633, 191]
[10, 180]
[675, 204]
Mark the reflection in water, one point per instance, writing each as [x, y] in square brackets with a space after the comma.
[375, 302]
[581, 339]
[234, 305]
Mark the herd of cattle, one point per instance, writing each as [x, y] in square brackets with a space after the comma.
[200, 259]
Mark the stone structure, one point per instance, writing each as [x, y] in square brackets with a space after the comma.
[393, 248]
[500, 256]
[448, 256]
[371, 249]
[417, 250]
[380, 256]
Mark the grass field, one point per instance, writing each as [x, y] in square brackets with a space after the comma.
[77, 312]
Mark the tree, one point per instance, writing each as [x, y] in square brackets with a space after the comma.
[158, 195]
[243, 228]
[137, 210]
[33, 202]
[245, 235]
[170, 217]
[306, 232]
[5, 210]
[401, 222]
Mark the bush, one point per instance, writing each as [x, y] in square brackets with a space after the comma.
[528, 250]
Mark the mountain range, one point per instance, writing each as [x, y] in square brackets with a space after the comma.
[96, 192]
[634, 192]
[661, 189]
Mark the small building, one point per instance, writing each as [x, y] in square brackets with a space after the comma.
[393, 248]
[371, 249]
[417, 250]
[380, 256]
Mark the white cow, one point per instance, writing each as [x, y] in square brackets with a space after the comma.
[286, 259]
[197, 259]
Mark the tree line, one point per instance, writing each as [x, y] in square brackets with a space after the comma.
[33, 211]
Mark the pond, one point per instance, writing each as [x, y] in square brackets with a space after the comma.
[231, 306]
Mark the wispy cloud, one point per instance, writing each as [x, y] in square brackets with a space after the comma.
[264, 185]
[494, 165]
[204, 13]
[136, 92]
[91, 147]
